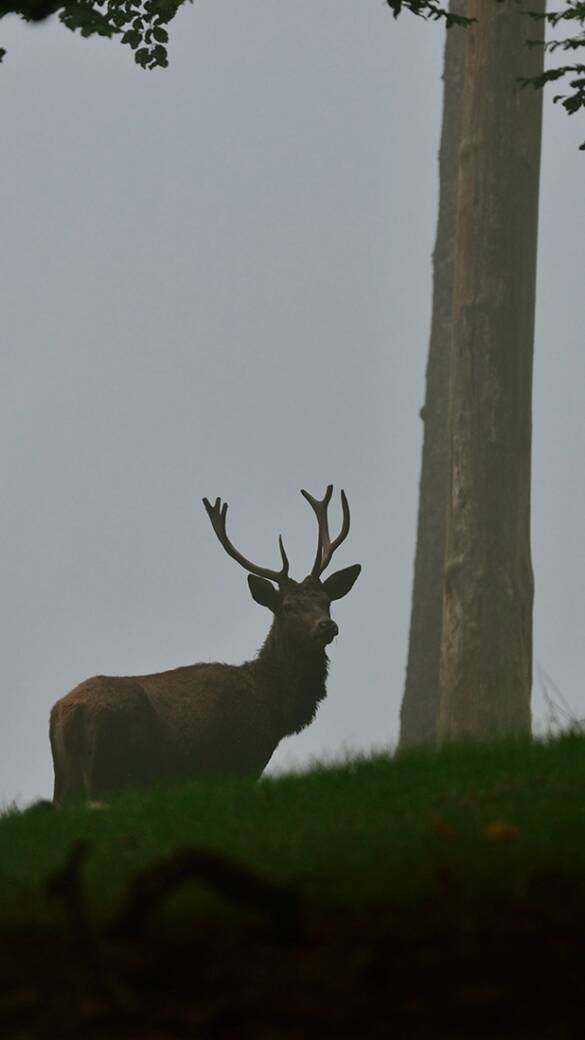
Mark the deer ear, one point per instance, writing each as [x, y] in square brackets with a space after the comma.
[263, 592]
[340, 583]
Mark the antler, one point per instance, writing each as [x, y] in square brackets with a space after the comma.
[325, 547]
[217, 513]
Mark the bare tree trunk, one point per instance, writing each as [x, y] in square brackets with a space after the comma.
[420, 703]
[486, 650]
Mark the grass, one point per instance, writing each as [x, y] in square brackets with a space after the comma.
[374, 834]
[442, 895]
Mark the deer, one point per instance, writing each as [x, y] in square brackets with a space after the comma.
[114, 734]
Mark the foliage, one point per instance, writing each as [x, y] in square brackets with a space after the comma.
[574, 100]
[140, 24]
[428, 9]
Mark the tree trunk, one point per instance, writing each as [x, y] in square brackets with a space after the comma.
[486, 649]
[420, 703]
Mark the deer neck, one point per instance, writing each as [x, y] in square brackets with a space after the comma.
[292, 678]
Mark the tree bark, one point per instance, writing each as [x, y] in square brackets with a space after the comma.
[486, 649]
[420, 703]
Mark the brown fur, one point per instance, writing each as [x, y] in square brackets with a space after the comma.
[112, 734]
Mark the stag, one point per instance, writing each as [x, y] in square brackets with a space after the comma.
[117, 733]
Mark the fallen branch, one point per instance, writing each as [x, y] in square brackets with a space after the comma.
[278, 904]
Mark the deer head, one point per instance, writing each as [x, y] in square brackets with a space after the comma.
[301, 609]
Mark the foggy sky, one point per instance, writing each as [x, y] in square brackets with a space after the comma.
[216, 280]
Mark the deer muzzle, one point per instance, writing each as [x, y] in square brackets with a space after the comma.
[326, 630]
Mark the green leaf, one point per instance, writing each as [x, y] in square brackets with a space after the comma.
[142, 56]
[132, 37]
[119, 18]
[87, 20]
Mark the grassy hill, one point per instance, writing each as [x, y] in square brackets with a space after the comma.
[428, 888]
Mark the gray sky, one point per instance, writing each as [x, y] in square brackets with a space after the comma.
[216, 280]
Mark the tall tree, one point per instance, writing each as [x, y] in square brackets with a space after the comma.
[486, 649]
[420, 704]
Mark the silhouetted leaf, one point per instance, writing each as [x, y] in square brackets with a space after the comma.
[132, 38]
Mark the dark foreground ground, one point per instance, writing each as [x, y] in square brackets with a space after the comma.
[435, 895]
[440, 971]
